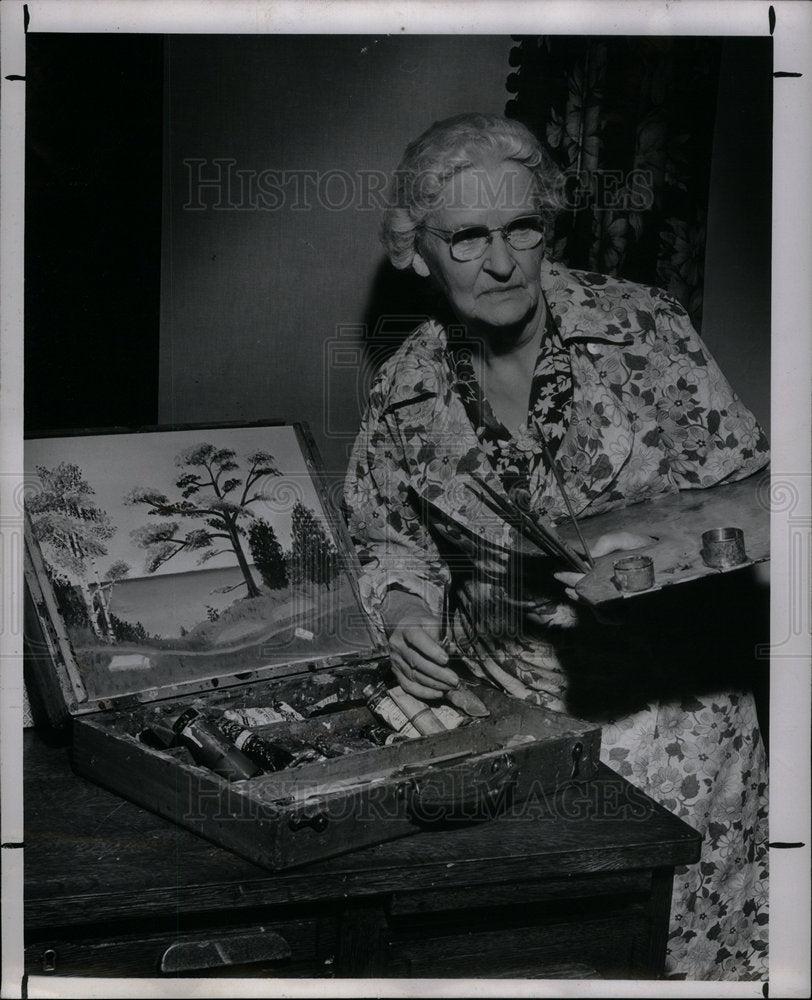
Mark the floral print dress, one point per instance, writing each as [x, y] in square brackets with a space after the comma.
[629, 404]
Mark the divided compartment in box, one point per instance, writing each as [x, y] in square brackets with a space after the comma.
[323, 808]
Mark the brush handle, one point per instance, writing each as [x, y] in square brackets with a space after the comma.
[552, 463]
[543, 538]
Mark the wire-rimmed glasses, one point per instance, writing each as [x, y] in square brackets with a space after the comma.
[471, 242]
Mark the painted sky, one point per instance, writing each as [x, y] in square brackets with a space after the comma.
[113, 464]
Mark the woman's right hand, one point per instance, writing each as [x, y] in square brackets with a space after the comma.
[417, 655]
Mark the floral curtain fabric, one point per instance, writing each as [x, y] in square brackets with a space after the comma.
[629, 121]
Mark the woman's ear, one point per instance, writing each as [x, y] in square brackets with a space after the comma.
[420, 266]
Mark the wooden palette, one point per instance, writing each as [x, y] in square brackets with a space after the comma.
[677, 522]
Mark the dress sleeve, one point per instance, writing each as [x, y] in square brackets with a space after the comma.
[707, 434]
[394, 548]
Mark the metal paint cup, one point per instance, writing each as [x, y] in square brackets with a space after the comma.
[634, 573]
[723, 548]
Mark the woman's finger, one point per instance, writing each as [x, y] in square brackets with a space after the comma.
[417, 654]
[413, 687]
[568, 579]
[429, 672]
[426, 645]
[418, 669]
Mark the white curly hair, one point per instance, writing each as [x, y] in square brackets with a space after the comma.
[446, 148]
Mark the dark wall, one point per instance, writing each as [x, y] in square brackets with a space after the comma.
[736, 316]
[736, 319]
[263, 306]
[92, 230]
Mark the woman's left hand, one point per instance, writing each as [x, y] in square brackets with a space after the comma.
[612, 541]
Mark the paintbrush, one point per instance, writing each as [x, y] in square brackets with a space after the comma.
[542, 537]
[549, 459]
[459, 696]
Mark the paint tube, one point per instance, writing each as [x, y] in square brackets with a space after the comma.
[280, 711]
[211, 747]
[381, 705]
[416, 711]
[269, 756]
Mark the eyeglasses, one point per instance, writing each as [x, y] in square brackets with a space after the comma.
[471, 243]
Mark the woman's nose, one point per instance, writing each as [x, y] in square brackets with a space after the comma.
[498, 260]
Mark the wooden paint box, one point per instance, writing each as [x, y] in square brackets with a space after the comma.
[206, 568]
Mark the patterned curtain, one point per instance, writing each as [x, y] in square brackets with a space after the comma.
[630, 123]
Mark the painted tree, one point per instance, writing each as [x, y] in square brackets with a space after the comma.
[72, 530]
[103, 595]
[267, 554]
[313, 555]
[211, 495]
[72, 604]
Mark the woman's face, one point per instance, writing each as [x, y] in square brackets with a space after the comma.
[500, 289]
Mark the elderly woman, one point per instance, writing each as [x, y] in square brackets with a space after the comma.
[551, 385]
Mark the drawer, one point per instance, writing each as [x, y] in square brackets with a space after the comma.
[609, 934]
[288, 948]
[506, 894]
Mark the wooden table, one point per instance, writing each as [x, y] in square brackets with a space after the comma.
[580, 879]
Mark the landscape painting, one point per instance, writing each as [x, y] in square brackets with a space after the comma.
[188, 554]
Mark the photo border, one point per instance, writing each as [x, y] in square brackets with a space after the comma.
[790, 25]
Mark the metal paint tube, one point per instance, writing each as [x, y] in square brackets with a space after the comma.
[269, 756]
[417, 712]
[212, 748]
[279, 712]
[381, 704]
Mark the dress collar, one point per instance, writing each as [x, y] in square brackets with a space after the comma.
[584, 310]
